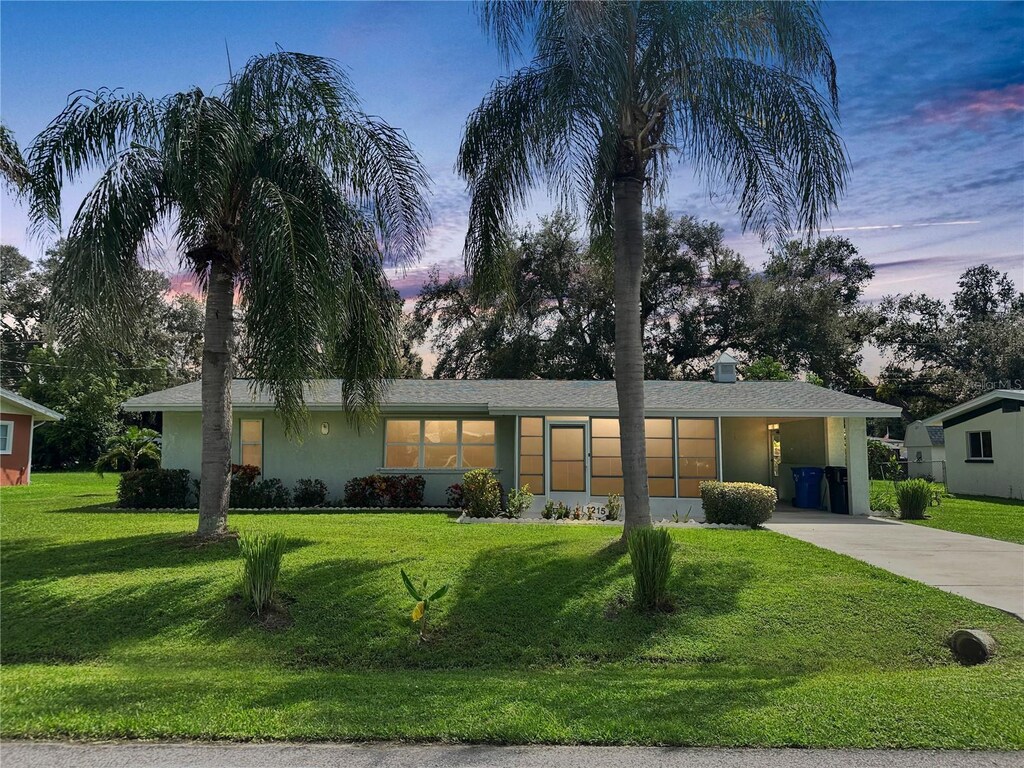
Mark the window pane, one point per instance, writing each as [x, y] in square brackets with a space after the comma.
[604, 427]
[566, 443]
[478, 455]
[531, 465]
[986, 445]
[5, 436]
[974, 445]
[602, 486]
[696, 428]
[567, 476]
[401, 456]
[657, 467]
[251, 430]
[403, 432]
[477, 432]
[439, 456]
[252, 454]
[605, 446]
[697, 448]
[532, 446]
[662, 486]
[607, 466]
[689, 489]
[532, 426]
[657, 446]
[702, 468]
[534, 482]
[658, 427]
[438, 432]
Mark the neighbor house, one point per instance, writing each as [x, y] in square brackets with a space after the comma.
[19, 418]
[925, 451]
[984, 444]
[559, 437]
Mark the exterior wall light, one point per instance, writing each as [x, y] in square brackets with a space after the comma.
[325, 427]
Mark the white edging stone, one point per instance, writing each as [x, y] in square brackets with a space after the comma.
[466, 520]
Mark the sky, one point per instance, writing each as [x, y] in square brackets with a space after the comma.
[932, 111]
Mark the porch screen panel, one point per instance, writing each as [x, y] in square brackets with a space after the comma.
[531, 453]
[250, 443]
[698, 454]
[605, 457]
[661, 479]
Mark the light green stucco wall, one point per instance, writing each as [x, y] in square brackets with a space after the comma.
[745, 450]
[345, 452]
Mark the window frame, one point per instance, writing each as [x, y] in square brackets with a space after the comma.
[8, 449]
[422, 444]
[243, 442]
[982, 434]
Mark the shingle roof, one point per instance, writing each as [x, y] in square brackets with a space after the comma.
[41, 412]
[498, 396]
[937, 435]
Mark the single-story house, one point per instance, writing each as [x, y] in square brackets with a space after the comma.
[19, 418]
[559, 437]
[984, 441]
[925, 451]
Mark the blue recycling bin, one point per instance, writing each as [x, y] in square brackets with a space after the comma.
[807, 481]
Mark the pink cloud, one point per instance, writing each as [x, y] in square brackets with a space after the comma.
[974, 108]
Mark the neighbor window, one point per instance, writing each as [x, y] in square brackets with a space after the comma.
[979, 445]
[606, 457]
[439, 444]
[251, 442]
[697, 454]
[6, 436]
[531, 453]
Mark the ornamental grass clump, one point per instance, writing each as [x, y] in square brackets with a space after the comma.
[261, 558]
[650, 555]
[913, 498]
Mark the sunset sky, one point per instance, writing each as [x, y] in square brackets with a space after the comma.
[932, 110]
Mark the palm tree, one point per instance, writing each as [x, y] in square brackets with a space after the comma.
[130, 447]
[612, 93]
[13, 170]
[280, 192]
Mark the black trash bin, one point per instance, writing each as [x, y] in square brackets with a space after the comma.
[838, 490]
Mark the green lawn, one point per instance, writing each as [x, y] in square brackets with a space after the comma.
[977, 515]
[114, 625]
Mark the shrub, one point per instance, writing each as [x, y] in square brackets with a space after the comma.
[613, 508]
[481, 493]
[737, 503]
[310, 493]
[385, 491]
[454, 495]
[913, 497]
[882, 500]
[269, 494]
[650, 556]
[243, 478]
[261, 559]
[519, 501]
[154, 488]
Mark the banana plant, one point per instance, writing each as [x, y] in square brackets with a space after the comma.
[423, 601]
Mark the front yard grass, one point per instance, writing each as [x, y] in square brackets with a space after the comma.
[977, 515]
[115, 626]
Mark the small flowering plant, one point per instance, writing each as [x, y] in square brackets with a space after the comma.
[423, 600]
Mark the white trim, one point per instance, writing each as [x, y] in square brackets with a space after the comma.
[35, 409]
[988, 397]
[6, 450]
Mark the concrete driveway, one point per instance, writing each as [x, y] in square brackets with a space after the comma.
[987, 571]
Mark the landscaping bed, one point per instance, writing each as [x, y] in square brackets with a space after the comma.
[117, 625]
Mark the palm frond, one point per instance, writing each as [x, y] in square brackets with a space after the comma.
[13, 169]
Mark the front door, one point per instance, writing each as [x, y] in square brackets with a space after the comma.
[568, 463]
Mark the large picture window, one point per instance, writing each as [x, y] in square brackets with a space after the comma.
[697, 454]
[606, 457]
[251, 442]
[531, 453]
[979, 445]
[439, 444]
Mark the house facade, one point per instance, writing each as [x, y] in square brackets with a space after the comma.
[560, 438]
[925, 448]
[19, 418]
[984, 444]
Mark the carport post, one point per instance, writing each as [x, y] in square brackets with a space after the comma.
[857, 465]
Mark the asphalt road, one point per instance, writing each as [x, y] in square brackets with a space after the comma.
[15, 754]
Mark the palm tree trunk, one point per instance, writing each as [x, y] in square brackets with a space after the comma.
[215, 481]
[629, 352]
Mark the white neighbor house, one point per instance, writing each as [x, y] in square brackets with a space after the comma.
[984, 442]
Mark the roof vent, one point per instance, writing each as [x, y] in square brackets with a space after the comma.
[725, 369]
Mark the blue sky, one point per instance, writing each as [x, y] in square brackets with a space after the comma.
[932, 109]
